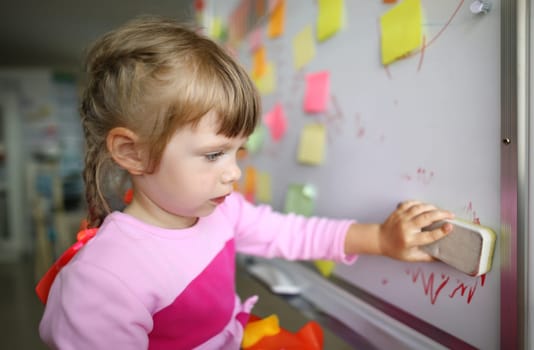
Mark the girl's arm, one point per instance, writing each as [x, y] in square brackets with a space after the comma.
[401, 234]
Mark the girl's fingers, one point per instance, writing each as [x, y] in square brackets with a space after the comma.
[427, 218]
[427, 237]
[402, 206]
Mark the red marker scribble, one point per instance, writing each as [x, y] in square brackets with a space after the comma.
[425, 46]
[430, 288]
[463, 288]
[422, 175]
[421, 58]
[469, 210]
[434, 288]
[360, 130]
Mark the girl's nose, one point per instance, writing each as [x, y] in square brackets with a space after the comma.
[232, 174]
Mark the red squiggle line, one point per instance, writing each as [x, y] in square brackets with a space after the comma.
[422, 55]
[446, 24]
[428, 285]
[423, 47]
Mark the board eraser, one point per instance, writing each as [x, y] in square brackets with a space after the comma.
[468, 247]
[277, 280]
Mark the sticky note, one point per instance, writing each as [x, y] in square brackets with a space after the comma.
[216, 27]
[266, 84]
[250, 179]
[325, 267]
[259, 62]
[255, 39]
[317, 92]
[264, 191]
[401, 30]
[300, 199]
[256, 139]
[303, 47]
[277, 19]
[330, 19]
[276, 121]
[312, 144]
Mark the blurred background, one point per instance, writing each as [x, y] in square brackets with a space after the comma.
[41, 190]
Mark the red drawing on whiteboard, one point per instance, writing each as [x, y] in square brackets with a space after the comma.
[422, 176]
[430, 287]
[470, 211]
[462, 288]
[425, 45]
[360, 129]
[434, 287]
[332, 120]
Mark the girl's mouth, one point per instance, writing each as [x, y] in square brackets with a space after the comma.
[218, 200]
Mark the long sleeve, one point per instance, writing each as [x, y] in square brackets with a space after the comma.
[262, 231]
[89, 308]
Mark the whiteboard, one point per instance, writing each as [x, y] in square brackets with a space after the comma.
[427, 127]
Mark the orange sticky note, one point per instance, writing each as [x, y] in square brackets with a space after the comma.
[259, 62]
[277, 20]
[250, 180]
[266, 84]
[276, 121]
[317, 92]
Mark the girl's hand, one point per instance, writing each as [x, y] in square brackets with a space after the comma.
[401, 234]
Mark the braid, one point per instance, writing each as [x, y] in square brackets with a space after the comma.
[95, 159]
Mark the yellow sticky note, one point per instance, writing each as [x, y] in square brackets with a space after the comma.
[266, 84]
[277, 19]
[331, 18]
[325, 267]
[312, 144]
[264, 190]
[303, 47]
[216, 28]
[259, 64]
[401, 30]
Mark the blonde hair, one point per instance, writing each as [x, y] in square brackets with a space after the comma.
[153, 76]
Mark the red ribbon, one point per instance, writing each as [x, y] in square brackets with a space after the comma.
[43, 287]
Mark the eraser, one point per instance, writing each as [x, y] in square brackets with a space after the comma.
[278, 281]
[468, 247]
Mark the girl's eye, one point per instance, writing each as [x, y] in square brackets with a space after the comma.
[213, 156]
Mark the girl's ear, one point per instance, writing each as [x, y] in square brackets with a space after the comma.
[124, 147]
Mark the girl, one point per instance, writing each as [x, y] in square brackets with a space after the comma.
[170, 109]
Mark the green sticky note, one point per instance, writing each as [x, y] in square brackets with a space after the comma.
[256, 139]
[300, 199]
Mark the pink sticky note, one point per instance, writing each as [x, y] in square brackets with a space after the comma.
[276, 121]
[255, 39]
[317, 92]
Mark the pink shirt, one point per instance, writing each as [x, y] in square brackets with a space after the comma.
[137, 286]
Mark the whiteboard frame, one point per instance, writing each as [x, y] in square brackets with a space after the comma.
[515, 73]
